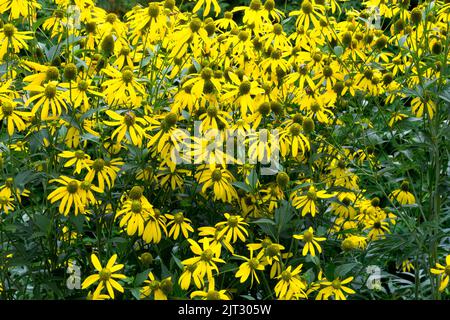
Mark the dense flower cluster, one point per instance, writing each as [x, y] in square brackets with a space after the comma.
[95, 108]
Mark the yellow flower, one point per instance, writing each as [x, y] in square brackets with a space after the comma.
[233, 227]
[106, 276]
[310, 242]
[127, 123]
[419, 104]
[443, 271]
[289, 283]
[335, 288]
[160, 289]
[78, 93]
[156, 224]
[309, 12]
[295, 140]
[308, 201]
[123, 88]
[211, 293]
[17, 8]
[77, 158]
[241, 92]
[6, 202]
[219, 180]
[11, 38]
[13, 117]
[49, 97]
[104, 171]
[69, 194]
[403, 195]
[378, 227]
[189, 275]
[179, 222]
[249, 267]
[206, 258]
[200, 3]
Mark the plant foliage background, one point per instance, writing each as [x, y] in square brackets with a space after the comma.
[93, 96]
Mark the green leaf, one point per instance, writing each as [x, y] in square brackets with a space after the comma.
[344, 269]
[338, 51]
[178, 262]
[283, 215]
[43, 222]
[136, 292]
[141, 277]
[243, 186]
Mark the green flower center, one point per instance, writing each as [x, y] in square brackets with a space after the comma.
[83, 85]
[8, 30]
[269, 5]
[111, 18]
[127, 76]
[79, 154]
[315, 107]
[368, 74]
[9, 183]
[233, 221]
[129, 118]
[216, 175]
[266, 243]
[7, 108]
[375, 202]
[72, 187]
[52, 73]
[178, 218]
[50, 91]
[286, 276]
[307, 236]
[272, 250]
[277, 29]
[212, 111]
[207, 74]
[346, 201]
[307, 7]
[244, 87]
[447, 270]
[136, 193]
[195, 24]
[405, 186]
[282, 179]
[213, 295]
[311, 195]
[166, 286]
[98, 165]
[327, 71]
[243, 35]
[255, 5]
[136, 206]
[153, 10]
[264, 108]
[295, 129]
[146, 258]
[207, 255]
[253, 263]
[85, 185]
[276, 54]
[154, 285]
[191, 268]
[336, 284]
[125, 51]
[170, 119]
